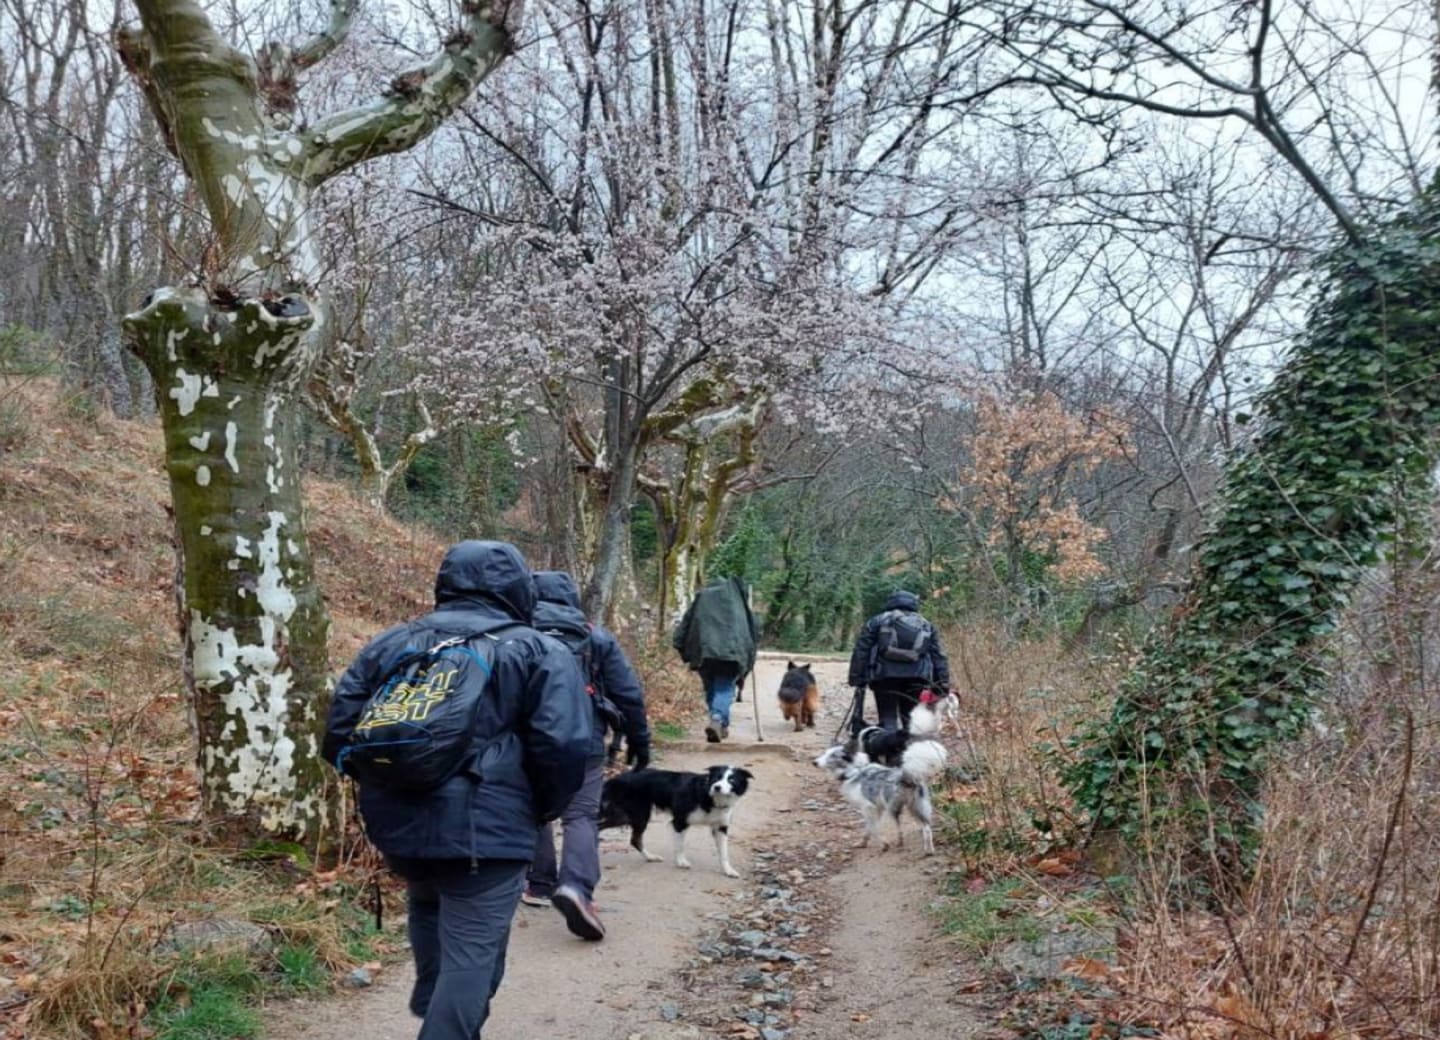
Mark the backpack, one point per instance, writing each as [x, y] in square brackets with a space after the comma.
[903, 636]
[416, 730]
[583, 647]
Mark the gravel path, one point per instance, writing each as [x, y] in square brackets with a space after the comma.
[813, 942]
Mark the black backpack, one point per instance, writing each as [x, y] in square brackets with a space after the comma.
[582, 645]
[903, 636]
[417, 729]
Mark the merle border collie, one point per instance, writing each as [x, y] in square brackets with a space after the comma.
[691, 799]
[879, 791]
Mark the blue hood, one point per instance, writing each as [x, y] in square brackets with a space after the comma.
[492, 572]
[557, 587]
[902, 600]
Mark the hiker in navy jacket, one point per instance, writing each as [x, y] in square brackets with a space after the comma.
[463, 847]
[620, 703]
[897, 684]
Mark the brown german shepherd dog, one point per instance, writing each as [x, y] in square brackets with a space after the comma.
[799, 696]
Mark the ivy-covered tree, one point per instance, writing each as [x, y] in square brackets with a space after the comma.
[230, 351]
[1347, 427]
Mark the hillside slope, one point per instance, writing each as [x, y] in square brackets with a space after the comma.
[98, 838]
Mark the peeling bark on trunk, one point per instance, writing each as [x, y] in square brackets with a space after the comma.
[695, 506]
[229, 359]
[254, 624]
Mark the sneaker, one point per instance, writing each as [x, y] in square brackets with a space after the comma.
[725, 731]
[580, 914]
[712, 732]
[530, 898]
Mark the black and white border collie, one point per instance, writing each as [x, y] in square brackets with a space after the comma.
[691, 799]
[887, 746]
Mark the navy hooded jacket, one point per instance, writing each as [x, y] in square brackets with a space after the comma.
[932, 667]
[558, 613]
[533, 733]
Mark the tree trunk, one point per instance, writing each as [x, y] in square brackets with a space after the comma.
[229, 360]
[255, 624]
[612, 536]
[696, 505]
[1347, 439]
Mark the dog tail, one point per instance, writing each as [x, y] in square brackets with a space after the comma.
[922, 761]
[923, 722]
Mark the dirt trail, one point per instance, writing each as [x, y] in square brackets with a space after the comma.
[641, 982]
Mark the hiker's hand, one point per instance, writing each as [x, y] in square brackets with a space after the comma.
[637, 754]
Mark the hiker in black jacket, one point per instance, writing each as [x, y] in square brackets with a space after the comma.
[897, 654]
[463, 847]
[718, 637]
[619, 703]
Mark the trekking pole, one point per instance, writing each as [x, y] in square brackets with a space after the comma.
[855, 707]
[755, 703]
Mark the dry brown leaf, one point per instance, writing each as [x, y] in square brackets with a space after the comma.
[1243, 1013]
[1055, 867]
[1086, 968]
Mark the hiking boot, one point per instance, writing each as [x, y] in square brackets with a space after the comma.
[530, 898]
[580, 914]
[712, 731]
[725, 731]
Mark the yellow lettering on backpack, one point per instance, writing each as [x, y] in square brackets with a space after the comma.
[409, 701]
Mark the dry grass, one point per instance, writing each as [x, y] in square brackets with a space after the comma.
[1338, 932]
[1018, 699]
[101, 847]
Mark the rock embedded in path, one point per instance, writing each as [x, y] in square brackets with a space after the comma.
[359, 978]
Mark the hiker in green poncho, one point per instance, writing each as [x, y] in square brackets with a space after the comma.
[717, 637]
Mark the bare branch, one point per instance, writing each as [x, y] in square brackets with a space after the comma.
[280, 63]
[419, 99]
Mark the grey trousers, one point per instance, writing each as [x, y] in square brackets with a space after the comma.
[579, 864]
[459, 925]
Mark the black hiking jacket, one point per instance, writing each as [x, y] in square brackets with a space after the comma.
[932, 667]
[559, 610]
[533, 734]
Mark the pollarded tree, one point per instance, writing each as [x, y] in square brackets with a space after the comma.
[230, 353]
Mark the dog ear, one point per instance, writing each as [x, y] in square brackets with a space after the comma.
[789, 666]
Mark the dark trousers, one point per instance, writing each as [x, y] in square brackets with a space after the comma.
[894, 700]
[459, 924]
[579, 864]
